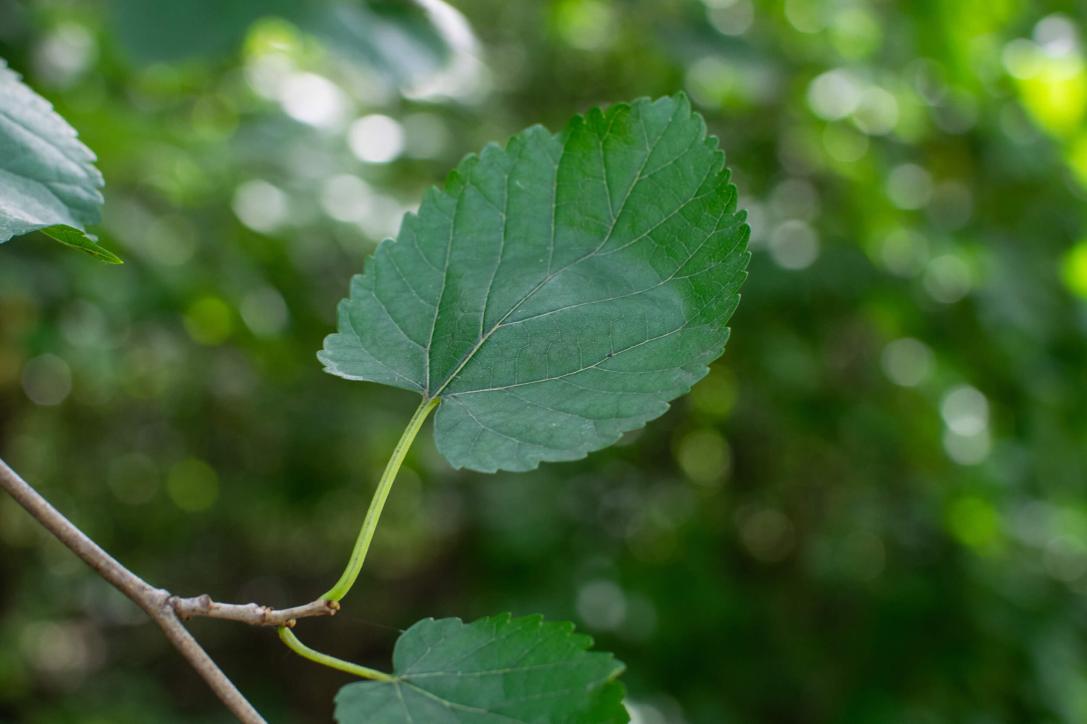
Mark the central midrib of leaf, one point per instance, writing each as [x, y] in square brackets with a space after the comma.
[650, 146]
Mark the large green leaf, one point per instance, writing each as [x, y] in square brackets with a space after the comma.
[495, 670]
[48, 180]
[558, 292]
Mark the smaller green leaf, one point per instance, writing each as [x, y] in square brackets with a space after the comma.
[76, 239]
[495, 670]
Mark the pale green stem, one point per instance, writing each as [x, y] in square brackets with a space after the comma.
[287, 636]
[362, 545]
[369, 524]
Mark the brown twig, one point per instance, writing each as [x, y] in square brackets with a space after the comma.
[164, 608]
[251, 613]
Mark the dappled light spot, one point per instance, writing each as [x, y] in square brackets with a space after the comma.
[426, 135]
[909, 186]
[855, 31]
[844, 144]
[376, 139]
[952, 205]
[975, 522]
[730, 17]
[602, 605]
[807, 16]
[965, 412]
[264, 312]
[267, 73]
[877, 113]
[835, 94]
[968, 449]
[794, 245]
[346, 198]
[766, 533]
[47, 380]
[261, 206]
[907, 361]
[715, 395]
[904, 252]
[705, 457]
[65, 54]
[1065, 558]
[795, 198]
[585, 24]
[192, 485]
[84, 324]
[1050, 74]
[948, 279]
[314, 100]
[209, 320]
[62, 650]
[1074, 269]
[709, 80]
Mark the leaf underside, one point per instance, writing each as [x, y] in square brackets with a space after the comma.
[48, 180]
[498, 670]
[558, 292]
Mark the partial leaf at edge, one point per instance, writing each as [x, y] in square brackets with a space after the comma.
[398, 39]
[556, 292]
[176, 31]
[86, 243]
[492, 671]
[47, 176]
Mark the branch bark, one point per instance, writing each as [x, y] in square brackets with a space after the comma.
[164, 608]
[251, 613]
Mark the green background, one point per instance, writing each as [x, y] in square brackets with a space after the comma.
[873, 510]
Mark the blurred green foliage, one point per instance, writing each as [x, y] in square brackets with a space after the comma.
[873, 510]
